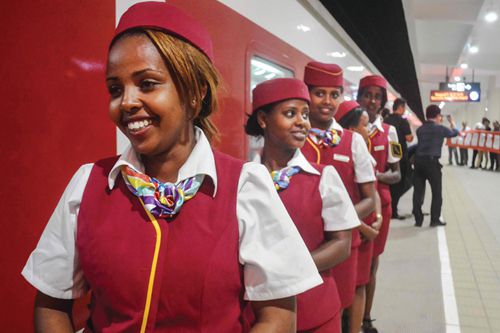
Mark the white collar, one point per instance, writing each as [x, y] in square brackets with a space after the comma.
[333, 126]
[377, 124]
[200, 162]
[297, 159]
[336, 126]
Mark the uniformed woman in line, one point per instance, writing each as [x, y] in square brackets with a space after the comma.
[314, 195]
[171, 236]
[330, 144]
[352, 117]
[385, 148]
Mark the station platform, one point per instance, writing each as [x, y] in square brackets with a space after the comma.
[444, 279]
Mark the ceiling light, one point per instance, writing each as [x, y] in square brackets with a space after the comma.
[355, 68]
[303, 28]
[464, 66]
[457, 78]
[441, 105]
[336, 54]
[491, 17]
[486, 109]
[473, 49]
[259, 71]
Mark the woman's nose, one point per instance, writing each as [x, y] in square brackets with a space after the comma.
[130, 101]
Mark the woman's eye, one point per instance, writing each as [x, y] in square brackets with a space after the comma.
[290, 113]
[147, 85]
[319, 94]
[114, 90]
[305, 115]
[335, 95]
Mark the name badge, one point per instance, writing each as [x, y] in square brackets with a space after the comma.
[341, 158]
[379, 148]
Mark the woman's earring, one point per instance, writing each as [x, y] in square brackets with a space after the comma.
[193, 102]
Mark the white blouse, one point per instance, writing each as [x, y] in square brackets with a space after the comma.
[272, 269]
[337, 212]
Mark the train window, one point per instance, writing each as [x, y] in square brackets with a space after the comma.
[260, 71]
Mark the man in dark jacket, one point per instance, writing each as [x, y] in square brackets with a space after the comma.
[404, 135]
[427, 167]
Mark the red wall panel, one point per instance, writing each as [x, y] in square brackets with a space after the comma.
[55, 119]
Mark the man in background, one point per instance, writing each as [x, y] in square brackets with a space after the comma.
[427, 167]
[402, 126]
[464, 152]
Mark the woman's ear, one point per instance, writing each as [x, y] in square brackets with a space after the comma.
[261, 119]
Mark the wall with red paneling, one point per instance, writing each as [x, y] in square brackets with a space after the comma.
[54, 116]
[55, 111]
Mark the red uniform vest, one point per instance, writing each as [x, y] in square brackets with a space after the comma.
[340, 157]
[198, 285]
[380, 150]
[318, 305]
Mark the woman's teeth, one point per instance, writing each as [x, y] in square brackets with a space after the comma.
[138, 125]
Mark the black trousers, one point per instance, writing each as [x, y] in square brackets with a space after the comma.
[464, 156]
[474, 155]
[399, 189]
[427, 169]
[493, 161]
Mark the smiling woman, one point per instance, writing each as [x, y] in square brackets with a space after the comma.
[186, 226]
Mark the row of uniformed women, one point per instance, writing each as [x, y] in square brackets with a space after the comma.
[281, 116]
[174, 237]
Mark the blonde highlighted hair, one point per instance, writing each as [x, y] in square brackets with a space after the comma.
[194, 76]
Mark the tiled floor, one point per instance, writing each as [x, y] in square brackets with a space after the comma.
[472, 205]
[409, 295]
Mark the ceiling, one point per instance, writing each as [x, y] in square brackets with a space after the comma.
[440, 33]
[380, 31]
[413, 43]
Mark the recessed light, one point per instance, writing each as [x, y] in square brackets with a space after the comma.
[464, 66]
[304, 28]
[491, 17]
[473, 49]
[336, 54]
[457, 78]
[355, 68]
[441, 105]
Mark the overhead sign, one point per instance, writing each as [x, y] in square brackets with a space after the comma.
[455, 96]
[460, 86]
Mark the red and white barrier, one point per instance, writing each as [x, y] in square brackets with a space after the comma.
[477, 139]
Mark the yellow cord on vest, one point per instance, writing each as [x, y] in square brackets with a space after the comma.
[153, 268]
[318, 153]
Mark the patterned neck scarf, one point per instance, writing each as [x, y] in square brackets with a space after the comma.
[281, 178]
[163, 200]
[328, 138]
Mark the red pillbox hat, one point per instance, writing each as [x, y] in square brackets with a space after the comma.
[373, 80]
[344, 108]
[174, 21]
[276, 90]
[319, 74]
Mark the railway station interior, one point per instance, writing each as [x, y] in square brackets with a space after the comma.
[443, 279]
